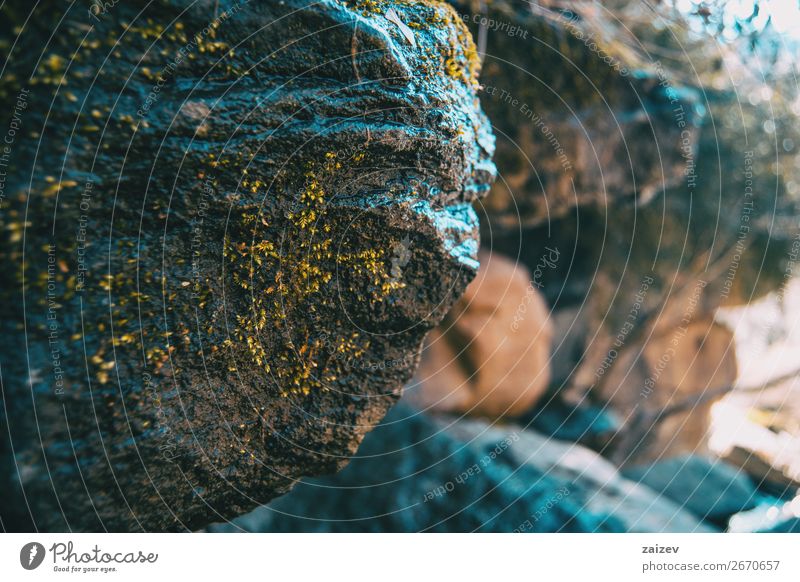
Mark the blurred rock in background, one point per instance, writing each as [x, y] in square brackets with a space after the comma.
[582, 116]
[709, 488]
[668, 388]
[624, 143]
[490, 357]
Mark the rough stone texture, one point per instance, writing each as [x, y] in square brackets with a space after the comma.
[491, 355]
[418, 473]
[229, 227]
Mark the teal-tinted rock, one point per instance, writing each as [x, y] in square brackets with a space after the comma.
[226, 227]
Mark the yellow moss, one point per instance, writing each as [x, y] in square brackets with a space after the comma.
[293, 277]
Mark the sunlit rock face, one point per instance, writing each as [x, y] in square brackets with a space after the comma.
[230, 226]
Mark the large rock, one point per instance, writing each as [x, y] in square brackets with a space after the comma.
[417, 473]
[491, 355]
[229, 227]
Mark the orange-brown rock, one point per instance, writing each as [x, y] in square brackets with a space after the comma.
[490, 356]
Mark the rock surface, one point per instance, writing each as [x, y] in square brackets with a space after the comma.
[710, 489]
[491, 355]
[228, 228]
[416, 473]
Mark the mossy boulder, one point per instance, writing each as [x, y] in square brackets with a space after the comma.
[227, 228]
